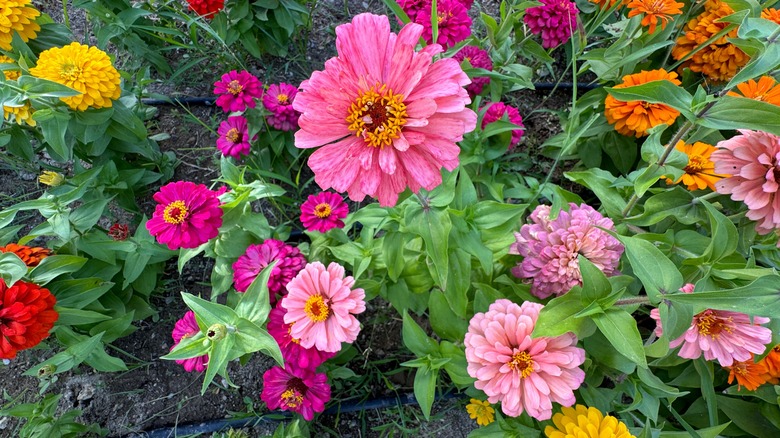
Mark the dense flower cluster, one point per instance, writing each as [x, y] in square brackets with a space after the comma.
[30, 255]
[278, 99]
[233, 138]
[554, 20]
[17, 17]
[26, 316]
[497, 111]
[700, 170]
[257, 257]
[478, 58]
[636, 117]
[237, 90]
[184, 328]
[187, 215]
[582, 421]
[324, 211]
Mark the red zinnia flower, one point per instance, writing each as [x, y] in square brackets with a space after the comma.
[26, 316]
[30, 255]
[118, 231]
[206, 8]
[323, 212]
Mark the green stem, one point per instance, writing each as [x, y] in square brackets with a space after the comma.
[706, 197]
[65, 16]
[633, 300]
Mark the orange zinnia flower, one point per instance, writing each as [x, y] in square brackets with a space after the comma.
[637, 116]
[771, 14]
[750, 375]
[30, 255]
[772, 362]
[700, 171]
[766, 90]
[655, 10]
[604, 4]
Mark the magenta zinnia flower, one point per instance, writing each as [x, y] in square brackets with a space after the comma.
[257, 257]
[387, 117]
[555, 20]
[753, 160]
[413, 7]
[496, 111]
[237, 91]
[323, 212]
[306, 358]
[478, 58]
[186, 327]
[187, 215]
[454, 22]
[322, 305]
[551, 248]
[233, 138]
[295, 389]
[278, 100]
[523, 373]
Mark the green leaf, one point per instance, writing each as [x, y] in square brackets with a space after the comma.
[557, 317]
[255, 302]
[724, 238]
[135, 264]
[249, 338]
[619, 327]
[601, 183]
[747, 417]
[208, 313]
[662, 91]
[12, 268]
[731, 112]
[54, 125]
[78, 317]
[658, 274]
[415, 338]
[444, 321]
[594, 283]
[759, 298]
[78, 293]
[459, 282]
[70, 358]
[393, 250]
[434, 226]
[219, 356]
[55, 265]
[425, 389]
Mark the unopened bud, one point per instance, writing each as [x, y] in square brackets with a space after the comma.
[46, 371]
[216, 332]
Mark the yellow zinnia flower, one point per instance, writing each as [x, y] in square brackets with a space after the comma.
[51, 178]
[584, 422]
[83, 68]
[481, 411]
[700, 171]
[13, 74]
[16, 16]
[22, 114]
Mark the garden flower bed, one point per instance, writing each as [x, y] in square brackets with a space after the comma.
[281, 218]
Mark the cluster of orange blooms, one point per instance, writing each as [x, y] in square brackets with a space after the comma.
[30, 255]
[751, 374]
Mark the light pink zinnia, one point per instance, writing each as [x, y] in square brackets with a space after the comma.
[655, 314]
[753, 160]
[186, 327]
[258, 256]
[555, 20]
[292, 351]
[551, 248]
[478, 58]
[187, 215]
[237, 91]
[454, 22]
[387, 117]
[323, 212]
[233, 138]
[322, 305]
[295, 389]
[496, 111]
[278, 100]
[523, 373]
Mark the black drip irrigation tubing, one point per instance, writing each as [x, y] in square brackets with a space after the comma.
[343, 408]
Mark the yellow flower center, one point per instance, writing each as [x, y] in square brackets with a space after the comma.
[322, 210]
[233, 135]
[292, 398]
[709, 324]
[695, 164]
[377, 116]
[522, 363]
[234, 87]
[316, 308]
[282, 98]
[70, 72]
[741, 368]
[175, 212]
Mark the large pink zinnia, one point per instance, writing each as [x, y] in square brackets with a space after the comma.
[496, 111]
[233, 138]
[187, 215]
[387, 117]
[753, 160]
[322, 305]
[186, 327]
[551, 247]
[454, 22]
[257, 257]
[478, 58]
[292, 351]
[237, 91]
[278, 101]
[555, 20]
[295, 389]
[523, 373]
[323, 211]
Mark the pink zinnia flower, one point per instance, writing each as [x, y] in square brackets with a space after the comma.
[323, 212]
[295, 389]
[186, 327]
[655, 314]
[278, 100]
[257, 257]
[233, 138]
[237, 91]
[306, 358]
[187, 215]
[551, 248]
[496, 111]
[753, 158]
[322, 305]
[387, 117]
[555, 20]
[454, 22]
[478, 58]
[523, 373]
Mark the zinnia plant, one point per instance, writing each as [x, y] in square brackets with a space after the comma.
[300, 390]
[497, 111]
[655, 11]
[323, 211]
[554, 20]
[700, 170]
[233, 138]
[257, 257]
[237, 90]
[17, 17]
[583, 421]
[26, 316]
[278, 100]
[636, 117]
[187, 215]
[184, 328]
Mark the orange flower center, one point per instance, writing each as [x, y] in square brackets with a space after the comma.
[695, 164]
[710, 324]
[235, 87]
[292, 398]
[377, 116]
[233, 135]
[316, 308]
[69, 72]
[175, 212]
[741, 368]
[282, 98]
[322, 210]
[522, 363]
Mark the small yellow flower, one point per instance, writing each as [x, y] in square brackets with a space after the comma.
[12, 74]
[50, 178]
[22, 114]
[481, 411]
[16, 16]
[584, 422]
[83, 68]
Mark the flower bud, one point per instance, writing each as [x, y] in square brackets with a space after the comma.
[50, 178]
[46, 371]
[216, 332]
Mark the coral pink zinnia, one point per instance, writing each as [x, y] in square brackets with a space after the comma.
[292, 352]
[278, 100]
[187, 215]
[257, 257]
[478, 58]
[753, 160]
[322, 305]
[323, 212]
[233, 138]
[496, 111]
[295, 389]
[386, 117]
[555, 20]
[237, 91]
[551, 247]
[454, 22]
[523, 373]
[187, 327]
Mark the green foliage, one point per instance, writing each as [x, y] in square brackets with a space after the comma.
[42, 420]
